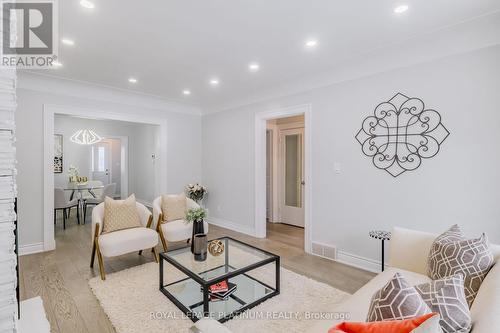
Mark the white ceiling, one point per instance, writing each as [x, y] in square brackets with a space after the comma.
[171, 45]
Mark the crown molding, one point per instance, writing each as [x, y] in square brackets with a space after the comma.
[465, 37]
[81, 89]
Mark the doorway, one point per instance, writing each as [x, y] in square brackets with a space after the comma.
[151, 133]
[286, 152]
[282, 175]
[291, 175]
[109, 163]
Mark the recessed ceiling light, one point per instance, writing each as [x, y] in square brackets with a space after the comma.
[312, 43]
[132, 80]
[87, 4]
[253, 67]
[56, 63]
[186, 92]
[214, 82]
[67, 41]
[401, 9]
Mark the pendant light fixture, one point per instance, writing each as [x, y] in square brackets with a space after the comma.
[85, 137]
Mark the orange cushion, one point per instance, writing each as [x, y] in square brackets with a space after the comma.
[390, 326]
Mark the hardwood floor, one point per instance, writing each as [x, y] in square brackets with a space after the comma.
[60, 277]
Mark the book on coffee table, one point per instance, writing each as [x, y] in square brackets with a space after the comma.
[219, 287]
[224, 294]
[221, 291]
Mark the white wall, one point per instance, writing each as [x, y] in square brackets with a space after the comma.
[460, 185]
[141, 177]
[183, 141]
[141, 141]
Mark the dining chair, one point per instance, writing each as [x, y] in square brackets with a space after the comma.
[96, 191]
[107, 191]
[62, 204]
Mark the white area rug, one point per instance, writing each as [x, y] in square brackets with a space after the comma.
[133, 303]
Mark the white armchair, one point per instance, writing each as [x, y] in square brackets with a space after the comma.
[124, 241]
[174, 231]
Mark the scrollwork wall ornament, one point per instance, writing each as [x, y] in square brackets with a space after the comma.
[400, 134]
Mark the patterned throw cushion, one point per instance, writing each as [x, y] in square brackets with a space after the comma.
[173, 207]
[397, 300]
[120, 214]
[451, 254]
[447, 297]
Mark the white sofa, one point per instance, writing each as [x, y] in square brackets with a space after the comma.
[408, 255]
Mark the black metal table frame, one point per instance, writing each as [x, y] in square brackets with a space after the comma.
[205, 284]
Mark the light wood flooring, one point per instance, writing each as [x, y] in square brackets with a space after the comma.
[60, 277]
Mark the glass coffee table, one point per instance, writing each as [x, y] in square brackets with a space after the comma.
[240, 264]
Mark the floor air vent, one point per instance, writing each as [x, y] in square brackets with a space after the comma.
[324, 250]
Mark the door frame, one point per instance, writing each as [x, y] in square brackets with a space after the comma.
[49, 111]
[261, 119]
[123, 163]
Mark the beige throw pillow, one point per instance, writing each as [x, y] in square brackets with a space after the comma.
[173, 207]
[120, 214]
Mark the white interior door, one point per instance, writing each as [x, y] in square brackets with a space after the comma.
[292, 176]
[269, 172]
[101, 162]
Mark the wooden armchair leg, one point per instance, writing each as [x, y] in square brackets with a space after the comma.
[163, 242]
[160, 232]
[101, 265]
[155, 254]
[94, 248]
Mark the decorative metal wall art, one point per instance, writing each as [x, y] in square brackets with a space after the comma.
[401, 133]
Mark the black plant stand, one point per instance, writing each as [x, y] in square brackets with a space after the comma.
[383, 236]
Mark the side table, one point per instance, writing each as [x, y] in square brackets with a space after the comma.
[383, 236]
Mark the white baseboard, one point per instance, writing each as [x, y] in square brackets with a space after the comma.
[30, 249]
[359, 261]
[231, 226]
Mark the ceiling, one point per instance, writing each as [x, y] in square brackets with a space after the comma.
[169, 46]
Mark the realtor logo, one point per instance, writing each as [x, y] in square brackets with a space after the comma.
[29, 38]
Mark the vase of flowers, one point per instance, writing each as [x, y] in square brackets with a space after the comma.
[73, 174]
[196, 192]
[196, 217]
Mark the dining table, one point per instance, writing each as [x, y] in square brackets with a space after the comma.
[79, 189]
